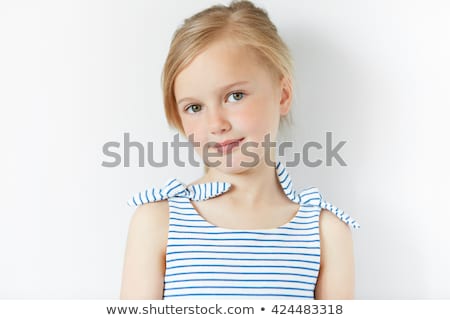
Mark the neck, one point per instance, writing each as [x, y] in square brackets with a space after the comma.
[251, 187]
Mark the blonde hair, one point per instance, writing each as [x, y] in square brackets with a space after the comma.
[244, 23]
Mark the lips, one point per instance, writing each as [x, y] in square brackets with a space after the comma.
[227, 142]
[227, 145]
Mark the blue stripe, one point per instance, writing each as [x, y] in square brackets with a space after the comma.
[179, 219]
[289, 195]
[247, 232]
[238, 287]
[182, 225]
[153, 194]
[237, 295]
[170, 182]
[246, 280]
[311, 199]
[185, 200]
[189, 206]
[181, 208]
[309, 234]
[146, 195]
[243, 273]
[289, 184]
[308, 217]
[241, 252]
[310, 207]
[173, 188]
[239, 246]
[308, 214]
[238, 266]
[308, 193]
[239, 239]
[203, 190]
[187, 212]
[312, 228]
[243, 259]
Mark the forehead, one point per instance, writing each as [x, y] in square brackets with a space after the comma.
[221, 63]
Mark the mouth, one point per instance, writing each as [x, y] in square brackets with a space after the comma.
[227, 145]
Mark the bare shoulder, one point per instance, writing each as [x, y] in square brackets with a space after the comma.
[150, 216]
[336, 275]
[149, 223]
[144, 264]
[332, 227]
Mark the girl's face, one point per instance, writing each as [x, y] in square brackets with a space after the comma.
[226, 96]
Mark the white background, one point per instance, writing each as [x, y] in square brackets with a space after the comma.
[77, 74]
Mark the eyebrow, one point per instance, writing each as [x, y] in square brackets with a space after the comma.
[224, 88]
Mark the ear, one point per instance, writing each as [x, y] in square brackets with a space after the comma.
[285, 95]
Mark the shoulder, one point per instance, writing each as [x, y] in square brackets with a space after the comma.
[144, 263]
[312, 197]
[332, 225]
[150, 217]
[336, 275]
[149, 226]
[335, 237]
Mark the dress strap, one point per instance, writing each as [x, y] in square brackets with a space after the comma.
[204, 191]
[312, 197]
[175, 188]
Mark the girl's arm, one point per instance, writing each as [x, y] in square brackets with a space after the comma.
[336, 275]
[144, 265]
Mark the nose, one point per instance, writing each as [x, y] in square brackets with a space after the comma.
[218, 123]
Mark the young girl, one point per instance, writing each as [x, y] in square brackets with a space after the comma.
[241, 230]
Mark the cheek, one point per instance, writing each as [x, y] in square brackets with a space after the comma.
[194, 132]
[258, 118]
[247, 124]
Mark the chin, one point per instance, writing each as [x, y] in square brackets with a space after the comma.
[237, 164]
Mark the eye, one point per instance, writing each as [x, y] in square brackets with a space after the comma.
[237, 96]
[193, 108]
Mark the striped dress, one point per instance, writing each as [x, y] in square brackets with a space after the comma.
[204, 261]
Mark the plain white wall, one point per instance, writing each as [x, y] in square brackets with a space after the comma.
[77, 74]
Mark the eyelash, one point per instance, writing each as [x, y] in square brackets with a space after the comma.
[231, 94]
